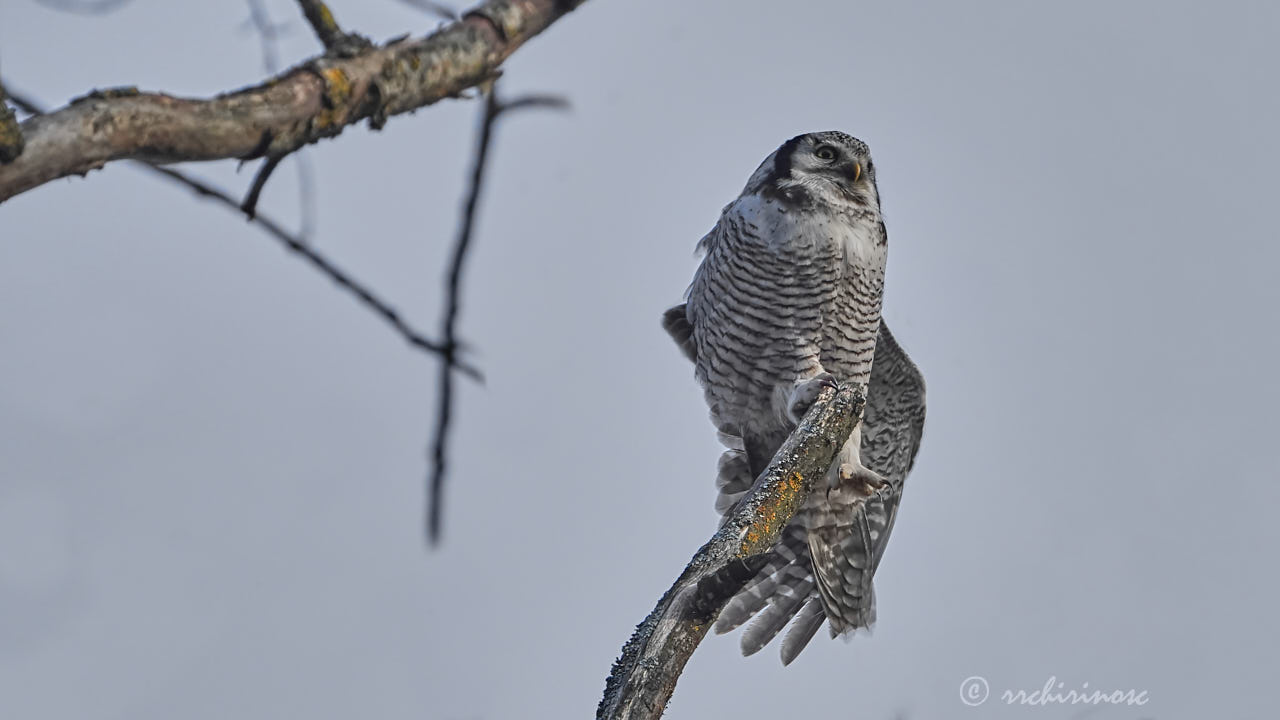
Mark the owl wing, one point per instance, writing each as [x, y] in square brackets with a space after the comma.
[784, 588]
[893, 421]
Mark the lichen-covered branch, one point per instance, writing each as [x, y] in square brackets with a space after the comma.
[645, 675]
[312, 101]
[322, 21]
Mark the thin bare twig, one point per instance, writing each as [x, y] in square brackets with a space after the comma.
[299, 246]
[493, 109]
[440, 10]
[267, 33]
[22, 102]
[327, 29]
[322, 21]
[550, 102]
[250, 204]
[268, 36]
[85, 7]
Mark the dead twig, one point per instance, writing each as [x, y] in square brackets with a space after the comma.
[313, 100]
[326, 28]
[493, 109]
[440, 10]
[299, 246]
[250, 204]
[268, 36]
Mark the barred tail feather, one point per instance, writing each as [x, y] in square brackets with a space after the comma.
[733, 479]
[749, 601]
[843, 538]
[794, 590]
[788, 567]
[803, 628]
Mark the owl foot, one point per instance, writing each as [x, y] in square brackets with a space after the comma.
[805, 393]
[862, 480]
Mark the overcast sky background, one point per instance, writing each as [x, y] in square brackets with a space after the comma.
[211, 459]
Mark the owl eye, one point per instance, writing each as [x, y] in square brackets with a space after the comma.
[825, 152]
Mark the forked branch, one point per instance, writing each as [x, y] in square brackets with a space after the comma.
[312, 101]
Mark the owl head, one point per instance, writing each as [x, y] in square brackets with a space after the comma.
[824, 167]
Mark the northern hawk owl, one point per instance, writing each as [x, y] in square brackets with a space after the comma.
[785, 302]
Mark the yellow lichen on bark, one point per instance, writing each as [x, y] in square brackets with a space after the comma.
[337, 94]
[327, 19]
[766, 523]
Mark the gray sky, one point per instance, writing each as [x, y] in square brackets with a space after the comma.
[211, 460]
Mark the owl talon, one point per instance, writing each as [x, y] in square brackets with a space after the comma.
[864, 481]
[805, 394]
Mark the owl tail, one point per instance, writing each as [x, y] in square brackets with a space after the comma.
[844, 533]
[782, 592]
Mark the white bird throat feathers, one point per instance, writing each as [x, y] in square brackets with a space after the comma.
[861, 242]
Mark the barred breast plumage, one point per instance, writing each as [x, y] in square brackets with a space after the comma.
[787, 299]
[783, 294]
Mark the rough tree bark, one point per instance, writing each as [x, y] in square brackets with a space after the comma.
[314, 100]
[645, 675]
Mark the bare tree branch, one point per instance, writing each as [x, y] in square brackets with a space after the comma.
[322, 21]
[315, 100]
[250, 204]
[299, 246]
[493, 109]
[352, 81]
[645, 675]
[326, 28]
